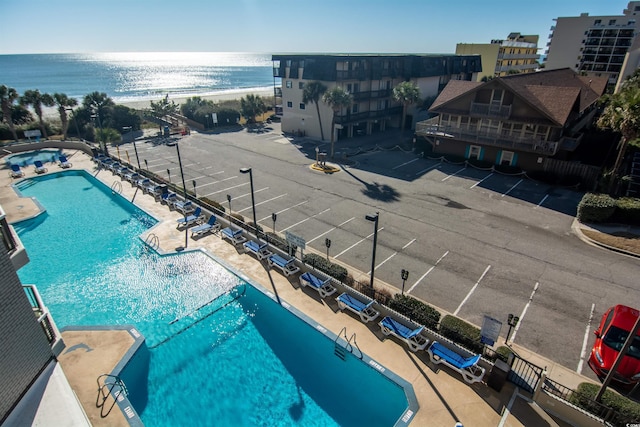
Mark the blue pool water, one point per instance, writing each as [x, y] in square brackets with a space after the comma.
[27, 158]
[220, 352]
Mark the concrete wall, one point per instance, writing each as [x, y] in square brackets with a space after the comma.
[563, 410]
[29, 146]
[488, 53]
[24, 346]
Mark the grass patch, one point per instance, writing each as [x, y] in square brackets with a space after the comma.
[621, 240]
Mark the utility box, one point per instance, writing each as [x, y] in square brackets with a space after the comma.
[498, 375]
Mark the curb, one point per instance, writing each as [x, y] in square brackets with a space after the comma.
[577, 228]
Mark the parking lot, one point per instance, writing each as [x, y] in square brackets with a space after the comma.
[474, 242]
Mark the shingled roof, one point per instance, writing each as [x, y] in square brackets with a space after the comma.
[553, 92]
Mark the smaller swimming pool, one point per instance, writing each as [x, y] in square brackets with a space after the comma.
[29, 157]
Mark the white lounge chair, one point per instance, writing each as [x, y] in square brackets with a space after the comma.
[185, 207]
[64, 163]
[195, 218]
[411, 336]
[39, 167]
[208, 227]
[467, 366]
[234, 236]
[363, 309]
[259, 249]
[16, 172]
[287, 266]
[323, 286]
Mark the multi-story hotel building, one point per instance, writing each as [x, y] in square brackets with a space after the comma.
[516, 54]
[595, 45]
[369, 79]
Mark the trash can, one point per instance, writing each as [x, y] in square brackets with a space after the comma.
[498, 375]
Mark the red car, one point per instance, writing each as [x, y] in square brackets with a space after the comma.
[614, 329]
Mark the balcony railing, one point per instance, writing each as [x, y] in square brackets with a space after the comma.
[42, 314]
[496, 139]
[488, 110]
[374, 94]
[367, 115]
[519, 56]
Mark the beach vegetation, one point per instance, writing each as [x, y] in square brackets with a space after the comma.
[64, 103]
[164, 107]
[252, 106]
[313, 92]
[8, 97]
[336, 98]
[36, 99]
[406, 93]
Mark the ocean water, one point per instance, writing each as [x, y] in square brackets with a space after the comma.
[137, 76]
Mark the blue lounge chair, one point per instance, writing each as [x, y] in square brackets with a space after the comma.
[195, 218]
[64, 163]
[259, 249]
[287, 266]
[208, 227]
[411, 336]
[143, 183]
[184, 207]
[169, 198]
[16, 172]
[323, 286]
[467, 366]
[363, 309]
[39, 167]
[234, 236]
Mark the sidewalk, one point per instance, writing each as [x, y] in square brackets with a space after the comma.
[443, 397]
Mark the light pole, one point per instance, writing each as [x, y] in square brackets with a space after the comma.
[253, 200]
[146, 164]
[229, 200]
[96, 115]
[130, 129]
[512, 321]
[374, 219]
[184, 187]
[169, 173]
[405, 275]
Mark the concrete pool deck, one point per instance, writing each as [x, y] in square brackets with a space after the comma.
[443, 397]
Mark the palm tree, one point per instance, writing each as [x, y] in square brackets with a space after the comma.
[8, 96]
[251, 106]
[337, 98]
[622, 114]
[99, 104]
[406, 93]
[37, 100]
[312, 92]
[64, 103]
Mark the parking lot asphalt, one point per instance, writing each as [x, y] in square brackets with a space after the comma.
[475, 242]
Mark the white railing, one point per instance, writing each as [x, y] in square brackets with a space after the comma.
[42, 314]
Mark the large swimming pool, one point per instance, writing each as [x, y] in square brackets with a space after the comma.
[219, 350]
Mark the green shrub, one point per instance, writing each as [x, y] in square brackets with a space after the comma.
[416, 310]
[461, 332]
[280, 243]
[503, 353]
[321, 263]
[596, 207]
[627, 210]
[212, 204]
[627, 410]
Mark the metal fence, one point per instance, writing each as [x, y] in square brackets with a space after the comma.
[524, 374]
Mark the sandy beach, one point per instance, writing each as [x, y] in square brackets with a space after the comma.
[226, 95]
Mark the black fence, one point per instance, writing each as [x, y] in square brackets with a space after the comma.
[524, 374]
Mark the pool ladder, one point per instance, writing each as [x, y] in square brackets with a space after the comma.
[341, 351]
[109, 384]
[116, 187]
[152, 241]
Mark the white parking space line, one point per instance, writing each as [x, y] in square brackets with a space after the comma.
[405, 163]
[263, 202]
[207, 176]
[541, 201]
[228, 188]
[428, 271]
[524, 311]
[330, 230]
[357, 243]
[284, 210]
[249, 194]
[304, 220]
[455, 313]
[453, 174]
[583, 352]
[407, 245]
[378, 266]
[218, 182]
[514, 186]
[427, 169]
[480, 182]
[156, 160]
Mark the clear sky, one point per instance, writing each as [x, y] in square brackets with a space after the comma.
[277, 26]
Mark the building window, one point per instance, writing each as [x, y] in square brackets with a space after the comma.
[474, 152]
[597, 22]
[612, 22]
[289, 104]
[302, 106]
[289, 84]
[354, 108]
[300, 85]
[288, 63]
[506, 158]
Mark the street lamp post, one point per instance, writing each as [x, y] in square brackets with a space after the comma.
[327, 243]
[374, 219]
[512, 321]
[253, 201]
[317, 151]
[184, 187]
[405, 275]
[130, 129]
[169, 173]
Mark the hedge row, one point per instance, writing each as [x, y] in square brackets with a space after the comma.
[628, 411]
[602, 207]
[416, 310]
[321, 263]
[461, 332]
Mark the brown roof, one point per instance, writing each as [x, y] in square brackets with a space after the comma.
[454, 89]
[553, 92]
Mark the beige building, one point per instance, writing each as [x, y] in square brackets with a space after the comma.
[516, 54]
[595, 45]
